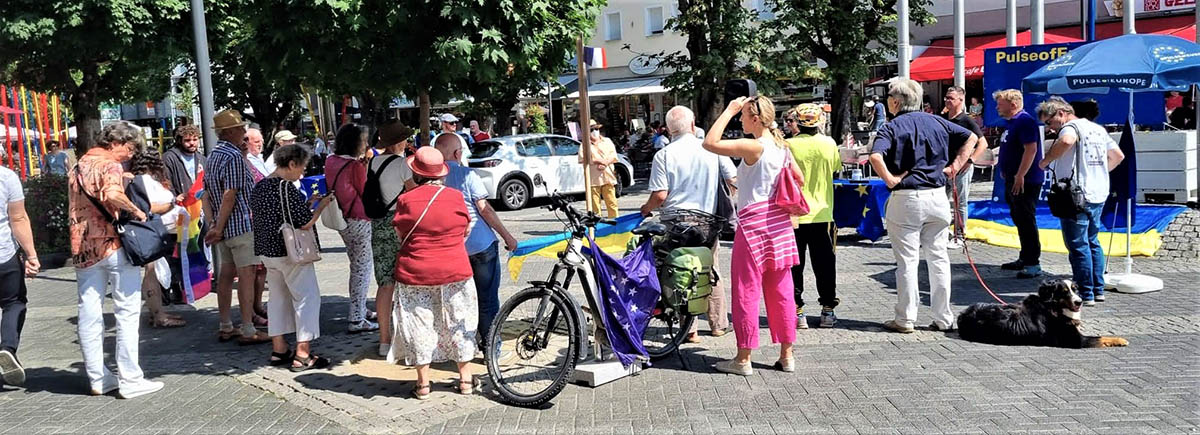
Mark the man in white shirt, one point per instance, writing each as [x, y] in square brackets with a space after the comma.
[685, 176]
[14, 268]
[1100, 154]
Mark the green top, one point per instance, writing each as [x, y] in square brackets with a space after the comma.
[818, 159]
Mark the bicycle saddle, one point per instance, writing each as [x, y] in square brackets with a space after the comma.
[651, 228]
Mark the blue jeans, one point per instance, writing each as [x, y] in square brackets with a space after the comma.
[1081, 234]
[486, 267]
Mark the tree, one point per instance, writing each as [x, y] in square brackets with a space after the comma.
[92, 51]
[723, 43]
[848, 35]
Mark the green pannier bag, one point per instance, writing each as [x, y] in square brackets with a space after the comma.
[687, 278]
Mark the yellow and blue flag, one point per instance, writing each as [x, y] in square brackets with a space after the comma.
[610, 238]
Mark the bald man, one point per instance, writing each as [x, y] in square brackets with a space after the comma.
[482, 246]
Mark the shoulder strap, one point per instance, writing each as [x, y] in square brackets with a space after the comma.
[1078, 151]
[422, 217]
[95, 202]
[384, 165]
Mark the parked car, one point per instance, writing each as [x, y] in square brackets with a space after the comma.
[511, 166]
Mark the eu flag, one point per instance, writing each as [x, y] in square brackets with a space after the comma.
[628, 290]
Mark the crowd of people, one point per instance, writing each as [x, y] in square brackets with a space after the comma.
[418, 221]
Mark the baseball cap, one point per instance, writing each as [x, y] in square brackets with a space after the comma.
[283, 135]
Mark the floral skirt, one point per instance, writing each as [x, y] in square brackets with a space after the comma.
[434, 323]
[385, 245]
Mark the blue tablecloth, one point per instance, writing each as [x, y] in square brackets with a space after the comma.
[860, 205]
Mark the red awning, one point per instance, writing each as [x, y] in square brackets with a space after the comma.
[937, 62]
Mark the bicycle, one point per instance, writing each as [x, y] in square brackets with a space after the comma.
[671, 320]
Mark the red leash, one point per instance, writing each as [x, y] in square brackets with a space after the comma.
[960, 221]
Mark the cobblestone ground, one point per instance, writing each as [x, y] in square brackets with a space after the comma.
[854, 378]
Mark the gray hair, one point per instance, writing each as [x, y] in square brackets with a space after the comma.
[286, 155]
[1052, 105]
[680, 120]
[123, 132]
[908, 93]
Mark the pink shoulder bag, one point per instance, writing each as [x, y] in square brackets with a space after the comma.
[787, 194]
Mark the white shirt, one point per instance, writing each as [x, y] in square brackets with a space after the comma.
[755, 182]
[688, 173]
[1095, 144]
[391, 181]
[159, 194]
[189, 162]
[258, 163]
[10, 192]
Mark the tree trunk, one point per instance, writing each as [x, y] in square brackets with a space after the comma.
[86, 108]
[423, 103]
[842, 115]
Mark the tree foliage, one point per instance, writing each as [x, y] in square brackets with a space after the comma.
[848, 35]
[92, 51]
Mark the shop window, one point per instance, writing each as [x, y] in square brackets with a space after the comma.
[655, 20]
[612, 26]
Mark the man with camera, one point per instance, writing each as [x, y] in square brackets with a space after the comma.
[1082, 156]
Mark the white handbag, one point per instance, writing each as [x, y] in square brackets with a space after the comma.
[331, 216]
[301, 244]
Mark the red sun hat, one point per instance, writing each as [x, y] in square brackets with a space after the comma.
[428, 162]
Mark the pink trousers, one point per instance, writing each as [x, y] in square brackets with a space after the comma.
[752, 281]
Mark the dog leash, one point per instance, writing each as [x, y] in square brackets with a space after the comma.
[960, 221]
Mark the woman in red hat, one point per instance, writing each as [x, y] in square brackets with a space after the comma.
[435, 302]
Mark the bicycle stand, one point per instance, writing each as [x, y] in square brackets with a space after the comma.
[599, 367]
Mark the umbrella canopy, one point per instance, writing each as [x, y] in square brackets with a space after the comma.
[1131, 63]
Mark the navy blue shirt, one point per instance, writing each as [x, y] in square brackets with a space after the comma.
[919, 143]
[880, 116]
[1020, 130]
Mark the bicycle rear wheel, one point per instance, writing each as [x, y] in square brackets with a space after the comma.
[666, 331]
[533, 346]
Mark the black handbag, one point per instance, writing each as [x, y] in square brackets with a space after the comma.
[724, 204]
[143, 242]
[1066, 198]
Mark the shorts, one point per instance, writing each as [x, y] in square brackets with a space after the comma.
[239, 251]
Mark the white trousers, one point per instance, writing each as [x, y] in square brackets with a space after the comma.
[918, 222]
[125, 280]
[295, 299]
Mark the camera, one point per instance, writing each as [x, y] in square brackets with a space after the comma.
[733, 90]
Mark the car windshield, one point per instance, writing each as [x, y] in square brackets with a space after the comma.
[484, 149]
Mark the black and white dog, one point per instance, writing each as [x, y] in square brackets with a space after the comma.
[1049, 318]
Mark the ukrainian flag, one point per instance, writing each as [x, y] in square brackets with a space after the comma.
[610, 238]
[990, 222]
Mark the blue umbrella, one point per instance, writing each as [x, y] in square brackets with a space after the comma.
[1131, 63]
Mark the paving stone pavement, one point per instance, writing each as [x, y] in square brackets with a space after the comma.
[854, 378]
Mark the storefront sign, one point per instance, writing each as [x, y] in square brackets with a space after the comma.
[644, 65]
[1004, 68]
[1116, 8]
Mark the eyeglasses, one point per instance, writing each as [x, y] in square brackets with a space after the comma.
[595, 128]
[791, 120]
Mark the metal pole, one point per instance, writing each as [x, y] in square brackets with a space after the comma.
[203, 75]
[1037, 20]
[1010, 23]
[960, 76]
[550, 105]
[1198, 23]
[903, 51]
[1130, 12]
[1132, 195]
[1091, 21]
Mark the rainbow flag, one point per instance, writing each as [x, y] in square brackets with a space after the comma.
[611, 238]
[196, 279]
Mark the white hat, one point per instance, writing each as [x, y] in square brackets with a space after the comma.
[283, 135]
[448, 117]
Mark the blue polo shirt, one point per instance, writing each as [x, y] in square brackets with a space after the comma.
[480, 235]
[1020, 130]
[919, 143]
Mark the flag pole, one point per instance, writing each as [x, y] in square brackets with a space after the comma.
[585, 139]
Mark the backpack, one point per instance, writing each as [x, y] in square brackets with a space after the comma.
[687, 278]
[372, 197]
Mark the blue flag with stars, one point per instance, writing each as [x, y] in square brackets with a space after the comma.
[628, 290]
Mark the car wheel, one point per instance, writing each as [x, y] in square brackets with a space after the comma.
[514, 194]
[623, 181]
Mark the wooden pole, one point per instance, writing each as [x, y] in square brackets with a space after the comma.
[585, 138]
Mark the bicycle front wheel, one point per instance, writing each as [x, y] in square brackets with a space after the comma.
[533, 346]
[666, 331]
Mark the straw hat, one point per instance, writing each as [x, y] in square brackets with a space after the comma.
[228, 118]
[428, 162]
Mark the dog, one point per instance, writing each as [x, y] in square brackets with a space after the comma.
[1049, 318]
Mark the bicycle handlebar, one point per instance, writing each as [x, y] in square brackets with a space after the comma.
[578, 222]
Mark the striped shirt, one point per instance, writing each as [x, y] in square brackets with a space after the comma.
[227, 170]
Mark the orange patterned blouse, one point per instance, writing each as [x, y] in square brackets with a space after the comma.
[93, 238]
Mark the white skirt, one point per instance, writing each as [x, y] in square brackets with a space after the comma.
[434, 323]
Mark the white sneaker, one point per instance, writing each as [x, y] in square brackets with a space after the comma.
[384, 348]
[954, 244]
[734, 367]
[11, 370]
[140, 388]
[107, 385]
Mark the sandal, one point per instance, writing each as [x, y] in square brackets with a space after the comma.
[259, 321]
[466, 387]
[309, 363]
[372, 316]
[169, 322]
[278, 359]
[224, 335]
[259, 337]
[416, 392]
